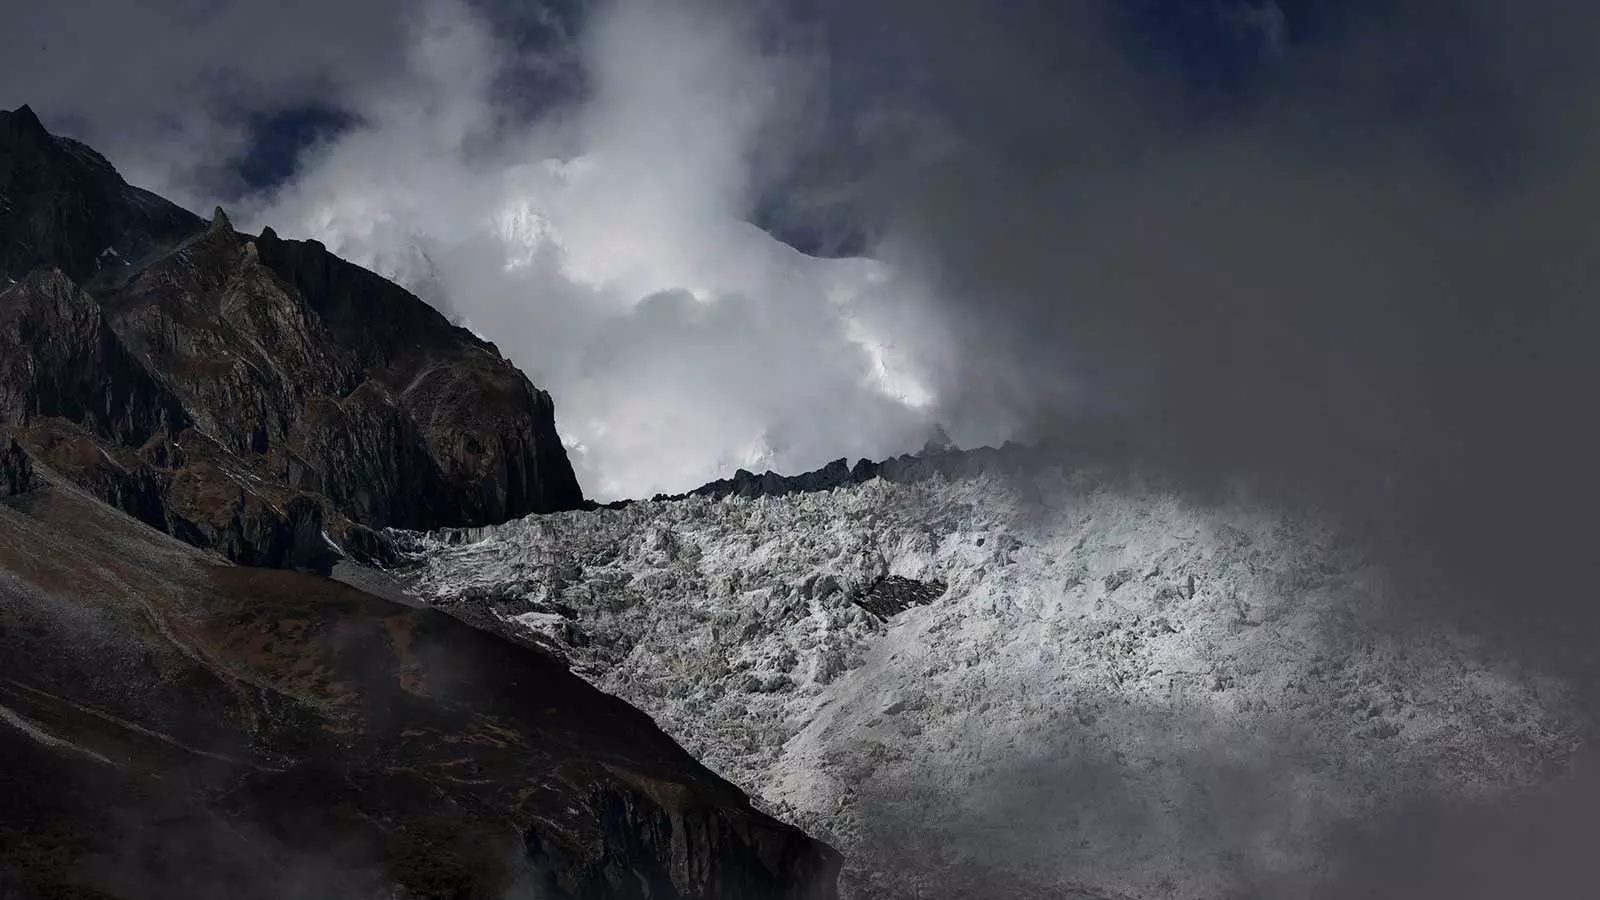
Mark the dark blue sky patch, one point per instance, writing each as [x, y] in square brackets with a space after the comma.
[279, 140]
[1421, 70]
[1223, 54]
[814, 230]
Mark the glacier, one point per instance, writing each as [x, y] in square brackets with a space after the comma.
[1049, 682]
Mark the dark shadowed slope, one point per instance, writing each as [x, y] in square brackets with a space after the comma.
[176, 727]
[245, 394]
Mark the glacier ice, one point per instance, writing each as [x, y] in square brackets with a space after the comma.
[1099, 689]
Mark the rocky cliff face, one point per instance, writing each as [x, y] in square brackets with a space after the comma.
[490, 433]
[238, 391]
[16, 470]
[180, 728]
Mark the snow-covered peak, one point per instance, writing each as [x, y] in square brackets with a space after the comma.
[1094, 690]
[525, 233]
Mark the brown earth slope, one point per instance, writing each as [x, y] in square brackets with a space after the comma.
[172, 726]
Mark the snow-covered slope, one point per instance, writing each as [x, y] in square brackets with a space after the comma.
[1112, 693]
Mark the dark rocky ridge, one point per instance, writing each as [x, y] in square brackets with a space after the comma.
[930, 462]
[1101, 446]
[176, 727]
[237, 392]
[62, 205]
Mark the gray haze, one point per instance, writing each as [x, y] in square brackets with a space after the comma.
[164, 88]
[1367, 286]
[1362, 281]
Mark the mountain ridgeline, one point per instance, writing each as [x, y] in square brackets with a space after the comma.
[233, 390]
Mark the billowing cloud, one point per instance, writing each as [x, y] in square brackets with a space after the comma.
[604, 246]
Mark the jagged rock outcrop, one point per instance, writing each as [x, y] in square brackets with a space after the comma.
[936, 459]
[176, 727]
[202, 380]
[16, 470]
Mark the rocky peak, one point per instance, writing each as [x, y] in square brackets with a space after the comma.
[64, 205]
[202, 380]
[22, 125]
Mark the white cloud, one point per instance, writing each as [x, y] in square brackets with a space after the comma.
[603, 248]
